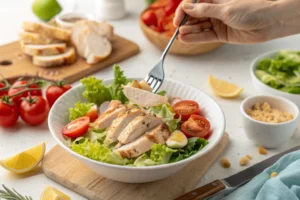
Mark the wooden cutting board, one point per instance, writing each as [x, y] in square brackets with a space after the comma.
[65, 169]
[15, 64]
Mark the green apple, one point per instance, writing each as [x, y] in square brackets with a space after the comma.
[46, 9]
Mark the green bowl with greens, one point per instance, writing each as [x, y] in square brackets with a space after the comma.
[278, 73]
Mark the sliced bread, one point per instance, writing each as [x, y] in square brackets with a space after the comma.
[47, 30]
[44, 50]
[66, 58]
[34, 38]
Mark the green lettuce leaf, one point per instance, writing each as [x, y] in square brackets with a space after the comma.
[95, 91]
[165, 111]
[81, 109]
[268, 79]
[159, 154]
[97, 135]
[194, 145]
[99, 152]
[115, 88]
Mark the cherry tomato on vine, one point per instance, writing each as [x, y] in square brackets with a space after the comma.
[53, 92]
[9, 112]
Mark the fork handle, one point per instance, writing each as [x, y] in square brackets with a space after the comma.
[184, 20]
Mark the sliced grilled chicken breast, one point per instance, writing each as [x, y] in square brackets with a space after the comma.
[44, 50]
[66, 58]
[144, 143]
[34, 38]
[97, 47]
[138, 127]
[143, 97]
[47, 30]
[105, 120]
[102, 28]
[119, 124]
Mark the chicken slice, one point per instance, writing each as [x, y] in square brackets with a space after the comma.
[106, 119]
[158, 135]
[138, 127]
[119, 124]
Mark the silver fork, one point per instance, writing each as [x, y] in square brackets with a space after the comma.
[156, 76]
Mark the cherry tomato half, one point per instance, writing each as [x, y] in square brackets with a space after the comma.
[9, 113]
[149, 18]
[93, 113]
[196, 126]
[185, 109]
[77, 128]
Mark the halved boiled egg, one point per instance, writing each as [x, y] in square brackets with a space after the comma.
[177, 140]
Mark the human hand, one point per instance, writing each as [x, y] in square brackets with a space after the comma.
[237, 21]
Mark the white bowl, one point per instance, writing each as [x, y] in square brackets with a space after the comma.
[265, 89]
[266, 134]
[59, 19]
[58, 118]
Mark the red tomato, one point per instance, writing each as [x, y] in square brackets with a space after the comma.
[17, 99]
[172, 6]
[149, 18]
[53, 92]
[2, 90]
[77, 128]
[35, 92]
[158, 4]
[93, 113]
[185, 109]
[34, 110]
[196, 126]
[9, 113]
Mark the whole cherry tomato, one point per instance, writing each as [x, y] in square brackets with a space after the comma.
[149, 18]
[34, 110]
[9, 112]
[53, 92]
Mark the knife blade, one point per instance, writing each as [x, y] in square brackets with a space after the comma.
[233, 181]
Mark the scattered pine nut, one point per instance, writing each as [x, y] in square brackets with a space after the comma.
[273, 174]
[225, 162]
[262, 150]
[249, 157]
[244, 161]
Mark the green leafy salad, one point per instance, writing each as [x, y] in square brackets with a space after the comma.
[129, 133]
[281, 73]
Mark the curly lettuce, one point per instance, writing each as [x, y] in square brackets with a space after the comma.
[194, 145]
[97, 151]
[80, 109]
[96, 92]
[159, 154]
[282, 72]
[165, 111]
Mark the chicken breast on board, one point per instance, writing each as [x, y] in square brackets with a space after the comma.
[119, 124]
[158, 135]
[106, 119]
[138, 127]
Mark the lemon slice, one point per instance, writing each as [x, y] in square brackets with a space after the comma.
[224, 88]
[26, 160]
[51, 193]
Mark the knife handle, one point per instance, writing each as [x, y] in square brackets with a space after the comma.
[204, 191]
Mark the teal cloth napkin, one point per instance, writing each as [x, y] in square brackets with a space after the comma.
[285, 186]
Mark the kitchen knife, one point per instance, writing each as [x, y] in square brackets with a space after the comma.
[233, 181]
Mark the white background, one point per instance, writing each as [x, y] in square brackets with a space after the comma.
[231, 62]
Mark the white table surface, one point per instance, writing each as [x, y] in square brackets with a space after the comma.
[231, 62]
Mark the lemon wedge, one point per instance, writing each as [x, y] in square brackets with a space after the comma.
[51, 193]
[224, 88]
[26, 160]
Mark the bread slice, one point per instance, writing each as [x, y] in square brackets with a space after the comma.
[44, 50]
[97, 47]
[47, 30]
[66, 58]
[34, 38]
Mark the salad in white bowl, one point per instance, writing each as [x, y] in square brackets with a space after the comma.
[124, 123]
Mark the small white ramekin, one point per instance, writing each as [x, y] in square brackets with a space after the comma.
[266, 134]
[59, 19]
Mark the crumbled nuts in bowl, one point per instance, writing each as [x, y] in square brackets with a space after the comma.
[266, 113]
